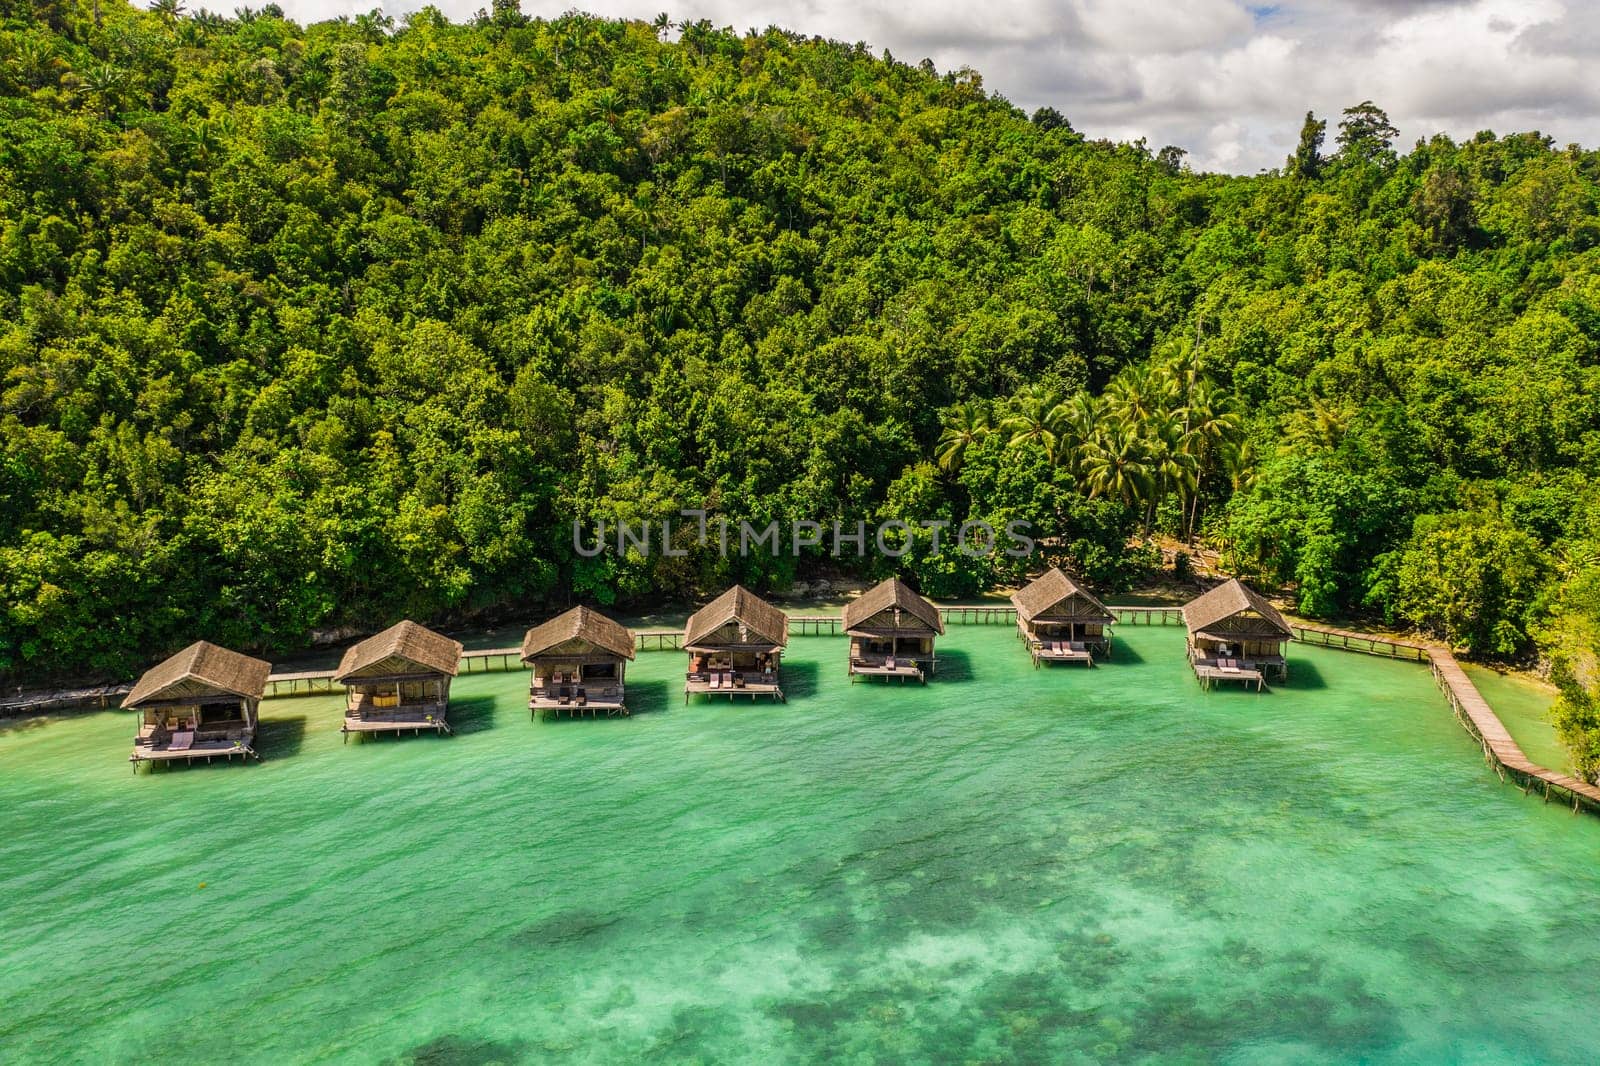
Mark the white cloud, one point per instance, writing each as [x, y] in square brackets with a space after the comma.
[1228, 80]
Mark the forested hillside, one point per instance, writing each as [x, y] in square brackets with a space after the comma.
[323, 325]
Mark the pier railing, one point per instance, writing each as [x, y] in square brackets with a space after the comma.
[1501, 752]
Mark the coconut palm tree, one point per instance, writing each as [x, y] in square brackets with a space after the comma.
[1141, 390]
[1116, 463]
[1076, 419]
[1215, 431]
[964, 425]
[1036, 414]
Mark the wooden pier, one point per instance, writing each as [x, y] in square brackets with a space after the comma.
[978, 615]
[1499, 750]
[1466, 702]
[24, 703]
[658, 639]
[1147, 616]
[320, 682]
[1367, 643]
[815, 625]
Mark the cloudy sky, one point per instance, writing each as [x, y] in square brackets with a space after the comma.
[1228, 80]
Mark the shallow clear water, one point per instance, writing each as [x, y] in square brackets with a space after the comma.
[1060, 865]
[1523, 706]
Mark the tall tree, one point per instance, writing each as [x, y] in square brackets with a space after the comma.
[1306, 163]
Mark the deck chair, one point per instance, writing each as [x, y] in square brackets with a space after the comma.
[716, 679]
[182, 740]
[888, 662]
[738, 681]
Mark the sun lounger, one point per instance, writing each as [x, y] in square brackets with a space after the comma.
[888, 663]
[738, 681]
[182, 740]
[716, 680]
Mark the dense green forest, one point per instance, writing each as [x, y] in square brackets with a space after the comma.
[303, 327]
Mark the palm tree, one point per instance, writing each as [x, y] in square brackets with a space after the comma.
[1076, 421]
[1116, 464]
[1173, 464]
[964, 425]
[1036, 416]
[1140, 390]
[1215, 430]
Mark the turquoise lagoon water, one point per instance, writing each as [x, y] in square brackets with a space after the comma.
[1523, 704]
[1059, 865]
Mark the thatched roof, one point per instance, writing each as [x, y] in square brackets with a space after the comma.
[1233, 597]
[894, 595]
[202, 669]
[759, 622]
[1050, 589]
[404, 648]
[578, 625]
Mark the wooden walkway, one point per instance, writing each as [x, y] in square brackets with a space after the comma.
[1147, 616]
[1502, 753]
[40, 702]
[311, 682]
[1389, 647]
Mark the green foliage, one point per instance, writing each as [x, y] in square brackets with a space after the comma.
[1472, 578]
[1311, 520]
[308, 326]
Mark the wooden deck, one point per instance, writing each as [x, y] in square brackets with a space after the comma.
[415, 722]
[1211, 676]
[207, 750]
[1043, 654]
[905, 671]
[591, 707]
[697, 687]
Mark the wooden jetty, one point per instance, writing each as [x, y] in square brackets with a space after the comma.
[735, 645]
[26, 703]
[1369, 643]
[1467, 704]
[199, 704]
[1501, 752]
[398, 681]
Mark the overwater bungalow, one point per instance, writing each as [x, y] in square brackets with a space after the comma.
[1236, 635]
[398, 681]
[578, 660]
[891, 631]
[735, 643]
[199, 704]
[1060, 621]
